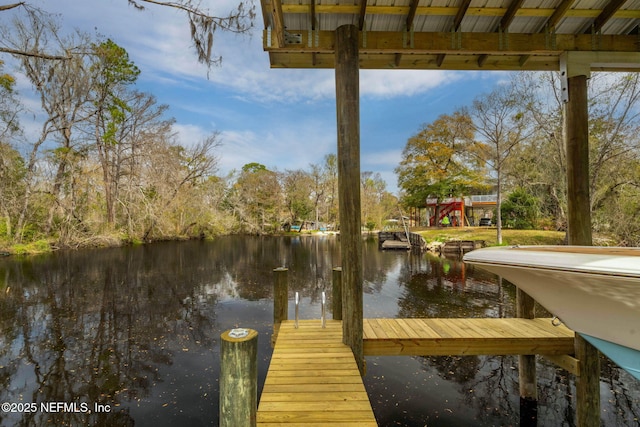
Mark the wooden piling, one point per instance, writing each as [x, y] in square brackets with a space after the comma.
[348, 125]
[525, 309]
[579, 233]
[280, 296]
[577, 143]
[238, 378]
[336, 293]
[587, 384]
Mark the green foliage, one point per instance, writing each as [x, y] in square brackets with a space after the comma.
[370, 225]
[113, 70]
[254, 168]
[113, 65]
[7, 82]
[440, 161]
[520, 210]
[37, 247]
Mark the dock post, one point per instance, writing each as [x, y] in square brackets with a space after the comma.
[336, 293]
[587, 384]
[280, 299]
[525, 309]
[347, 71]
[238, 378]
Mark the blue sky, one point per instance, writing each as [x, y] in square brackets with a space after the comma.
[284, 119]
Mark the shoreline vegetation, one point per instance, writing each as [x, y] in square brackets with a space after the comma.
[434, 234]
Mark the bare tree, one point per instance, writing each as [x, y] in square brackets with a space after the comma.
[39, 19]
[173, 168]
[203, 24]
[501, 122]
[35, 34]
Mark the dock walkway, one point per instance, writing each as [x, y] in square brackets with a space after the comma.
[313, 380]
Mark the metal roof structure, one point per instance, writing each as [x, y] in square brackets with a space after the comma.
[456, 34]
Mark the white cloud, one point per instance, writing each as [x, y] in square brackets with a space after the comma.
[279, 148]
[398, 83]
[158, 41]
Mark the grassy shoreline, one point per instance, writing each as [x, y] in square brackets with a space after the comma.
[489, 235]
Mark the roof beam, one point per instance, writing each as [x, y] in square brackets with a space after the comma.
[452, 11]
[607, 13]
[408, 24]
[506, 20]
[413, 8]
[551, 23]
[312, 13]
[462, 11]
[557, 15]
[457, 21]
[363, 13]
[278, 21]
[465, 43]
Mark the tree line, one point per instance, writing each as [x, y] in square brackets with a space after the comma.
[510, 142]
[105, 165]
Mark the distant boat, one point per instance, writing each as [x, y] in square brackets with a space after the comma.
[594, 290]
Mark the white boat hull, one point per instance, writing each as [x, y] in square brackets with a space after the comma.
[594, 291]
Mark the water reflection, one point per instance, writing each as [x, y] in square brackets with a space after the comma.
[136, 330]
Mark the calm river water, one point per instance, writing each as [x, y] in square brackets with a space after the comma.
[130, 336]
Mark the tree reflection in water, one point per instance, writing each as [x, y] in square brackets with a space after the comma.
[137, 329]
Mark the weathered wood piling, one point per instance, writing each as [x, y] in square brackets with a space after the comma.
[280, 299]
[336, 293]
[238, 378]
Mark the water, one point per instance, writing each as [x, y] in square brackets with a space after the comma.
[130, 336]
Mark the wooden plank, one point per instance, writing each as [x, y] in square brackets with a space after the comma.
[323, 424]
[313, 380]
[294, 388]
[314, 396]
[303, 417]
[566, 362]
[295, 405]
[466, 337]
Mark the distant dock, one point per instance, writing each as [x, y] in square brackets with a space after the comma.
[400, 240]
[461, 246]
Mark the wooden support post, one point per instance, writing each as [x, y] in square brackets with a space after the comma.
[348, 118]
[577, 143]
[336, 293]
[238, 378]
[579, 233]
[525, 309]
[587, 384]
[280, 299]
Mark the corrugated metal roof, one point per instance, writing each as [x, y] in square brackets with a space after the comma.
[460, 34]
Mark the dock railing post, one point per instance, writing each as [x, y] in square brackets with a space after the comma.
[336, 293]
[525, 309]
[280, 299]
[238, 378]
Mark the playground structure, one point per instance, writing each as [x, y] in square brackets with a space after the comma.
[460, 211]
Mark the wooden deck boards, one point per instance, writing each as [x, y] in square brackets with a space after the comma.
[446, 337]
[313, 380]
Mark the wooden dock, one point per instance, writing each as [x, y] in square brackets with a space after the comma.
[459, 337]
[401, 240]
[313, 380]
